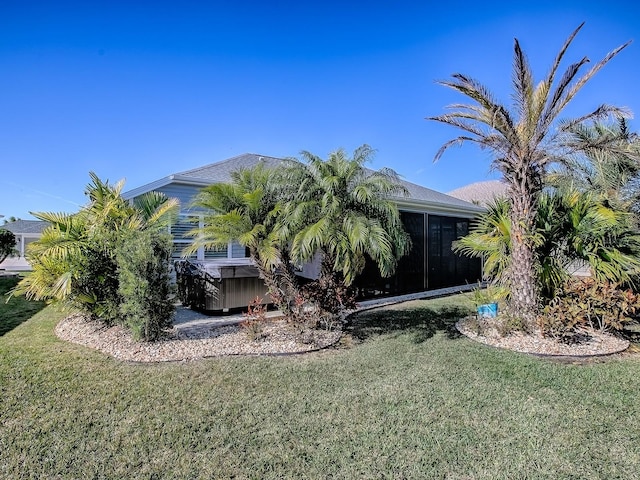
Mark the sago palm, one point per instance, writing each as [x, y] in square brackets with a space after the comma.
[524, 140]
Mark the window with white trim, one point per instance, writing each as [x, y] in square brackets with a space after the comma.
[186, 223]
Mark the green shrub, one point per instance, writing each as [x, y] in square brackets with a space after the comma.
[143, 283]
[109, 261]
[7, 244]
[485, 294]
[95, 289]
[585, 303]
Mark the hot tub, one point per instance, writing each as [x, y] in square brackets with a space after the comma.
[219, 285]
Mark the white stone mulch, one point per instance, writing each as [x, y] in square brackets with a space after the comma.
[279, 338]
[598, 344]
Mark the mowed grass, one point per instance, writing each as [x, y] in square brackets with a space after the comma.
[14, 310]
[406, 398]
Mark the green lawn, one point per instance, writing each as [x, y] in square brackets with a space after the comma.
[14, 310]
[406, 398]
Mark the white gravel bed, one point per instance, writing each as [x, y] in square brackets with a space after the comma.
[598, 344]
[279, 338]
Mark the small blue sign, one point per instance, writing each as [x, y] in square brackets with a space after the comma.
[489, 310]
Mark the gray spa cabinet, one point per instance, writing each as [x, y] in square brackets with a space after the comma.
[220, 285]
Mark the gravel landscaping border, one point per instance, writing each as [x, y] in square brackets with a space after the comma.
[599, 344]
[279, 337]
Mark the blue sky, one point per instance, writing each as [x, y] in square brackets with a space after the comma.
[140, 90]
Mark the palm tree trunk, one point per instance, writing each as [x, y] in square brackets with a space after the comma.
[336, 296]
[269, 277]
[524, 299]
[281, 284]
[289, 286]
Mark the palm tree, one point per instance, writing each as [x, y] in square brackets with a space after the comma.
[246, 210]
[571, 227]
[345, 213]
[74, 261]
[606, 238]
[524, 141]
[489, 238]
[606, 163]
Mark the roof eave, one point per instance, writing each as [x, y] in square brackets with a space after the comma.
[200, 182]
[136, 192]
[437, 207]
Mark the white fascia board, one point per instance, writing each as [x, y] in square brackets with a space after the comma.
[29, 235]
[199, 182]
[439, 208]
[136, 192]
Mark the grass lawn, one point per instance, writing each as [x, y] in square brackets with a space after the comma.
[16, 310]
[407, 399]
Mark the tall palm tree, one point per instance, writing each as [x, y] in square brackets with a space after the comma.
[246, 210]
[524, 141]
[344, 212]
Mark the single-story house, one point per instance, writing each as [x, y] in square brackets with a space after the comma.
[432, 219]
[25, 231]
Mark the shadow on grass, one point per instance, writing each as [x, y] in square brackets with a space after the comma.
[424, 322]
[16, 310]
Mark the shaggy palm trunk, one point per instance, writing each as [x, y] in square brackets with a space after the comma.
[335, 297]
[288, 285]
[523, 285]
[282, 285]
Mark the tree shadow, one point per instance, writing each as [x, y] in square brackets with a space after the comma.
[16, 310]
[423, 322]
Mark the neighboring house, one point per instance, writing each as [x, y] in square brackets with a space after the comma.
[480, 193]
[25, 231]
[432, 219]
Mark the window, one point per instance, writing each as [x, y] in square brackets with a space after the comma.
[181, 239]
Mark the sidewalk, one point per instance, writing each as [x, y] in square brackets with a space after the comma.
[190, 322]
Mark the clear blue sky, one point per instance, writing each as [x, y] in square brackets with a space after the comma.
[140, 90]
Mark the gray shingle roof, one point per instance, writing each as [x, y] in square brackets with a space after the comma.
[418, 192]
[221, 172]
[25, 226]
[480, 192]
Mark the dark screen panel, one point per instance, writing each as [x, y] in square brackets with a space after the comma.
[431, 263]
[446, 269]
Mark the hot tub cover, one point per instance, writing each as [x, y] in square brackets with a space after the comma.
[228, 267]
